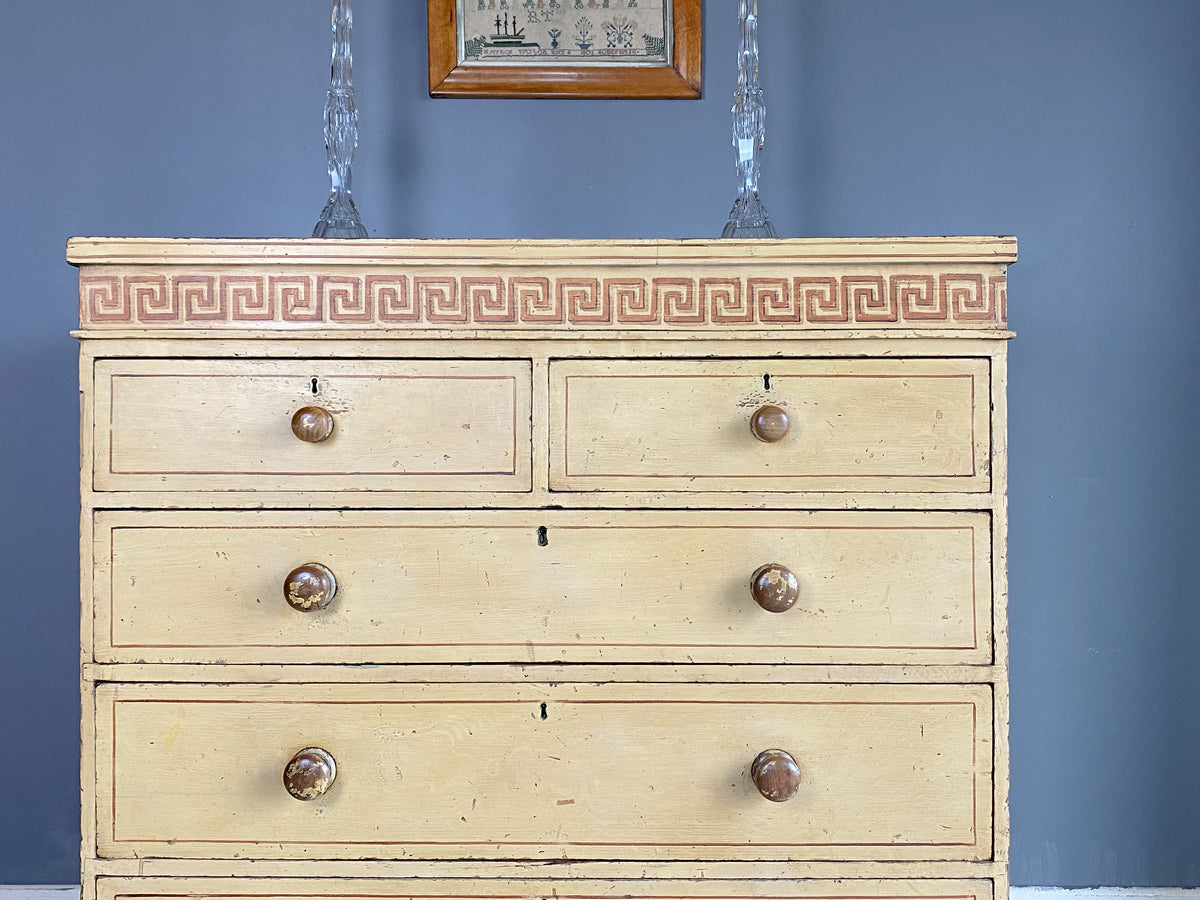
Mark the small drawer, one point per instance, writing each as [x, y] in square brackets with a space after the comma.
[530, 586]
[619, 887]
[822, 425]
[385, 425]
[567, 771]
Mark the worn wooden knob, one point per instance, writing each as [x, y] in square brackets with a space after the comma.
[774, 587]
[309, 587]
[310, 773]
[776, 775]
[312, 424]
[769, 423]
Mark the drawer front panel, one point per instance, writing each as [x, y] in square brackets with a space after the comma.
[140, 888]
[522, 586]
[568, 771]
[853, 425]
[214, 425]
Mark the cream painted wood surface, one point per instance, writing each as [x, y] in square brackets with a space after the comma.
[616, 771]
[222, 425]
[855, 425]
[539, 673]
[516, 344]
[1000, 696]
[540, 498]
[608, 870]
[501, 253]
[549, 585]
[539, 888]
[632, 622]
[612, 870]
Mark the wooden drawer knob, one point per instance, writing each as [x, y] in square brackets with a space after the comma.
[774, 587]
[776, 775]
[309, 587]
[310, 773]
[312, 424]
[769, 423]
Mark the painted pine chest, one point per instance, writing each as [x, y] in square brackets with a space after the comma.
[523, 569]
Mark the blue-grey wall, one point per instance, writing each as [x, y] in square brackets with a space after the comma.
[1073, 124]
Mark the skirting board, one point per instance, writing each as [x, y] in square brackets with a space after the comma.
[58, 892]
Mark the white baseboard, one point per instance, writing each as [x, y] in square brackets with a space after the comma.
[1103, 893]
[39, 892]
[61, 892]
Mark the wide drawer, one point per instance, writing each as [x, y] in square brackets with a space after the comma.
[217, 425]
[526, 586]
[539, 888]
[853, 425]
[632, 771]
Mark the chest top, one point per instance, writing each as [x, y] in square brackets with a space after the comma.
[710, 288]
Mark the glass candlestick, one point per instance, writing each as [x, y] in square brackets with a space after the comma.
[339, 218]
[748, 218]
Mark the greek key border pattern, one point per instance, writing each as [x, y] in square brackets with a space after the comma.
[575, 301]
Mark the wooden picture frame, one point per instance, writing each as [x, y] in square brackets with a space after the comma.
[679, 77]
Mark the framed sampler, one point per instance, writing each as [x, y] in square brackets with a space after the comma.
[638, 49]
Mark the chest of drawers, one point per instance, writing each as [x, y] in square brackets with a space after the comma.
[525, 569]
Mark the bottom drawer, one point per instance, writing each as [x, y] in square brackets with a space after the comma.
[570, 771]
[536, 889]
